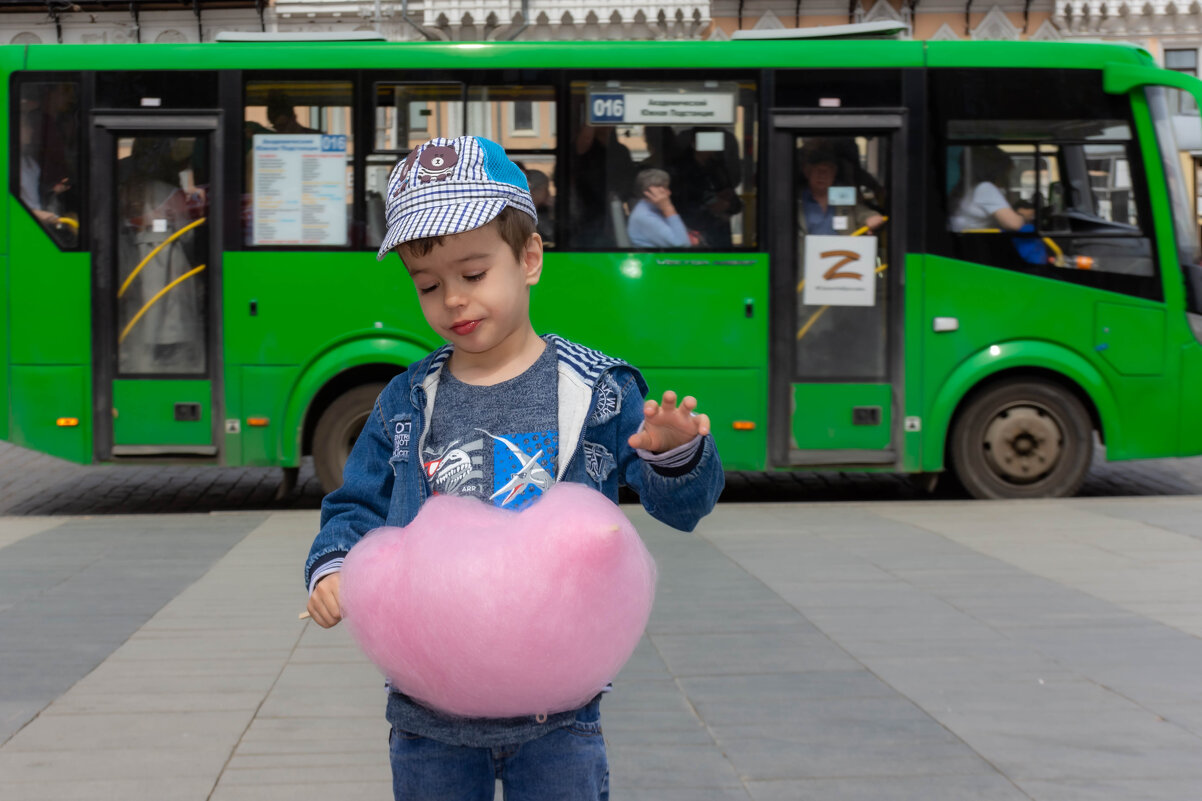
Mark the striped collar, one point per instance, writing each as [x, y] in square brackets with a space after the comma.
[587, 363]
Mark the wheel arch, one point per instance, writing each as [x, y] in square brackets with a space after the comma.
[335, 371]
[1020, 360]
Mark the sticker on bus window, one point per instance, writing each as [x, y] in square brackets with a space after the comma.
[840, 271]
[841, 195]
[299, 189]
[609, 107]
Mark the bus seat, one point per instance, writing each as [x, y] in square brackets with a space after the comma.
[617, 217]
[376, 228]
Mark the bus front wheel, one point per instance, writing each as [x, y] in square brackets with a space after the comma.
[1022, 439]
[336, 432]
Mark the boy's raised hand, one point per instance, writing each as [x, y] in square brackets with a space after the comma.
[667, 425]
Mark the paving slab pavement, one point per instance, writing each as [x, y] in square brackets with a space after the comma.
[888, 651]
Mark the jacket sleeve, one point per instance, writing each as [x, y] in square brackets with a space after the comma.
[679, 497]
[361, 503]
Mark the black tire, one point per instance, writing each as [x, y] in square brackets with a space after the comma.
[1022, 439]
[336, 432]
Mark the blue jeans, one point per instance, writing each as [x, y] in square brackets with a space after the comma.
[568, 764]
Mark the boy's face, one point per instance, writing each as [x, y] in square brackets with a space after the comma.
[472, 290]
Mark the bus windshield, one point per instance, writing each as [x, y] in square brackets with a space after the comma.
[1170, 155]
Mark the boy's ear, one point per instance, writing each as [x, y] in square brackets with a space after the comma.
[532, 259]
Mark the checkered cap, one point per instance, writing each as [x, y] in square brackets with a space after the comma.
[447, 186]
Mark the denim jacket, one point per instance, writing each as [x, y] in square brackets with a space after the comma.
[600, 403]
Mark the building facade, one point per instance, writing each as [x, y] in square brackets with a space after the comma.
[1172, 31]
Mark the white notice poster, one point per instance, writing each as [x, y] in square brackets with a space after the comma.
[840, 271]
[299, 189]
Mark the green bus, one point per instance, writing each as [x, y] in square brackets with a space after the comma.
[900, 256]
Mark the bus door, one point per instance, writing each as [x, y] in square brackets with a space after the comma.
[835, 232]
[155, 180]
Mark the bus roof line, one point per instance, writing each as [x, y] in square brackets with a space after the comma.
[884, 29]
[299, 36]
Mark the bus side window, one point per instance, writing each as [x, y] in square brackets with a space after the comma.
[519, 118]
[406, 114]
[522, 120]
[1051, 204]
[1044, 178]
[702, 135]
[299, 172]
[48, 145]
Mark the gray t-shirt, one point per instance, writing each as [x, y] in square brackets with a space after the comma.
[498, 443]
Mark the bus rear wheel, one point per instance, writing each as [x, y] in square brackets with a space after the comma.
[1022, 439]
[336, 432]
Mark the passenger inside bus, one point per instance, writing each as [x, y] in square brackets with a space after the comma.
[1032, 248]
[603, 177]
[654, 221]
[282, 115]
[661, 148]
[46, 161]
[160, 312]
[540, 192]
[821, 170]
[978, 199]
[33, 193]
[707, 177]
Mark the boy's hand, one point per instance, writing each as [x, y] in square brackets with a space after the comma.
[323, 603]
[668, 426]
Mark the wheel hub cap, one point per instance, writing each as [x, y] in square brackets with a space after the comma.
[1022, 444]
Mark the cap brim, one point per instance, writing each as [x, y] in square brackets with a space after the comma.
[441, 220]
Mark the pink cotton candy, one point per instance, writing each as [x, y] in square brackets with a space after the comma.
[486, 612]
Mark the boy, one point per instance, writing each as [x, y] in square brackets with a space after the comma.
[499, 413]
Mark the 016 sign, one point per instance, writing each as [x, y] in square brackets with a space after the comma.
[605, 108]
[661, 108]
[840, 271]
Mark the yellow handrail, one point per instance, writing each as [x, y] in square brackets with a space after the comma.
[805, 329]
[865, 229]
[69, 222]
[155, 299]
[155, 252]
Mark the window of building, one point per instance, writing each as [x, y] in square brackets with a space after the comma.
[47, 178]
[522, 119]
[1185, 61]
[631, 141]
[299, 176]
[419, 114]
[1029, 188]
